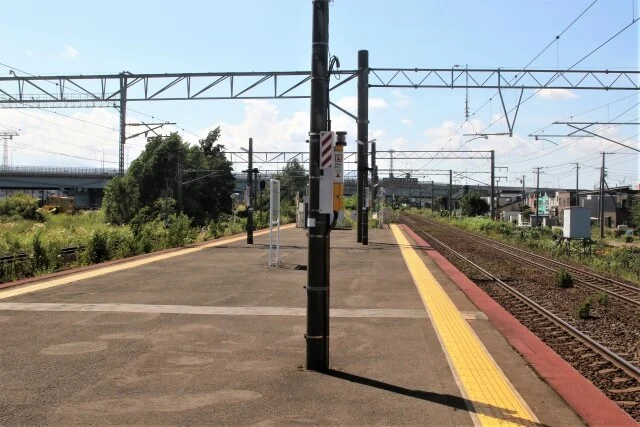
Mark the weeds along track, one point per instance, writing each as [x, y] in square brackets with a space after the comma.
[604, 347]
[626, 292]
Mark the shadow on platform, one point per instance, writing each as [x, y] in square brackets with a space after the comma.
[455, 402]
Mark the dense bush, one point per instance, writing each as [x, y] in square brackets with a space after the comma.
[19, 206]
[97, 249]
[42, 242]
[120, 202]
[180, 231]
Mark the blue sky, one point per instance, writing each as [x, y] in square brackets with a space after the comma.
[79, 38]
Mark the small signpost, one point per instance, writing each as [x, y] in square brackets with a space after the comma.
[274, 221]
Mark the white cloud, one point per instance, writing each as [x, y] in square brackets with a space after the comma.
[448, 136]
[402, 100]
[350, 103]
[556, 94]
[54, 140]
[69, 52]
[406, 122]
[399, 144]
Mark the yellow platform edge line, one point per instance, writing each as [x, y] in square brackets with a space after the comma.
[494, 399]
[125, 265]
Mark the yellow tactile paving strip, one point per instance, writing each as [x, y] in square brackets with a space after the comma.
[495, 401]
[75, 277]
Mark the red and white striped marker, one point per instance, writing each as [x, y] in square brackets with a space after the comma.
[326, 149]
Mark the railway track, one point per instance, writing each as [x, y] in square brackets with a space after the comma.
[617, 377]
[624, 292]
[70, 252]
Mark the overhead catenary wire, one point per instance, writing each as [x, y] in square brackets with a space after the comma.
[29, 147]
[559, 75]
[573, 116]
[87, 121]
[555, 39]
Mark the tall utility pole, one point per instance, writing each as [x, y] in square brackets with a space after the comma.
[362, 222]
[432, 197]
[536, 203]
[451, 189]
[523, 193]
[499, 178]
[577, 182]
[317, 336]
[601, 209]
[250, 185]
[492, 208]
[179, 182]
[6, 136]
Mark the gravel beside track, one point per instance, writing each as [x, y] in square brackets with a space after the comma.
[615, 325]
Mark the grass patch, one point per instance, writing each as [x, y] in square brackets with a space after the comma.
[564, 279]
[583, 311]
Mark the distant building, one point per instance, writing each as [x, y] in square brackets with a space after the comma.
[617, 204]
[558, 203]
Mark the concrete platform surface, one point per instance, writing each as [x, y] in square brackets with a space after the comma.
[215, 337]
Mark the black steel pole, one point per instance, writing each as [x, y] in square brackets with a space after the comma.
[432, 197]
[179, 183]
[250, 185]
[577, 184]
[374, 176]
[362, 223]
[450, 189]
[601, 209]
[317, 336]
[492, 208]
[523, 195]
[123, 123]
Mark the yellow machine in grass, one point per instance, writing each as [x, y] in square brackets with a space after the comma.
[59, 204]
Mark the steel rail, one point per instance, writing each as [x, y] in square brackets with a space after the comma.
[584, 281]
[621, 363]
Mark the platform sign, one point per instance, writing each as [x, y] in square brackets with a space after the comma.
[247, 195]
[274, 221]
[274, 200]
[338, 167]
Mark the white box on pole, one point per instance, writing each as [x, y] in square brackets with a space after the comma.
[577, 223]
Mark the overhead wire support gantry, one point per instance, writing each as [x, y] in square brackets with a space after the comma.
[115, 90]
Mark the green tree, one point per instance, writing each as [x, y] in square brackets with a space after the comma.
[293, 179]
[635, 210]
[472, 205]
[207, 176]
[121, 199]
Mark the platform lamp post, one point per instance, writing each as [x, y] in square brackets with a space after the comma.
[362, 219]
[362, 234]
[250, 172]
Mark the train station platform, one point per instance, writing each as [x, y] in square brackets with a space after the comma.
[210, 335]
